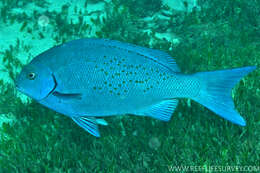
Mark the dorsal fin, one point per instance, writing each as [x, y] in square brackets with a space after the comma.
[158, 56]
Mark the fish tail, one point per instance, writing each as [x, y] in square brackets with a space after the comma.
[215, 93]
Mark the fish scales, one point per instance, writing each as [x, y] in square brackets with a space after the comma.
[118, 78]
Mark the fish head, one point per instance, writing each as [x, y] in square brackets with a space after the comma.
[36, 81]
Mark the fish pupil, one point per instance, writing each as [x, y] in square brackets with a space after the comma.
[31, 76]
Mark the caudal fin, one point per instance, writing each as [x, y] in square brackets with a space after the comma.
[216, 92]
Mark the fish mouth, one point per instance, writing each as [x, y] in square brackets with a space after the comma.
[53, 89]
[19, 88]
[16, 84]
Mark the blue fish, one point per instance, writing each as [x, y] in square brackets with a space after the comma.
[89, 78]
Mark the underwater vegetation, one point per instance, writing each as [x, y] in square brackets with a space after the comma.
[220, 34]
[144, 8]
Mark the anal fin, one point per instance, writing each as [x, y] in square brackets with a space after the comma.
[161, 111]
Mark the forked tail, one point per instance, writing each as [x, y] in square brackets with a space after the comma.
[216, 89]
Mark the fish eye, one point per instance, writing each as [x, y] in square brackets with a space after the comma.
[31, 76]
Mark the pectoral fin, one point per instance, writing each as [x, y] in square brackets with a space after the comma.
[67, 96]
[88, 123]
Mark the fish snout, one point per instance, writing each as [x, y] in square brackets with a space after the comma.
[16, 83]
[16, 86]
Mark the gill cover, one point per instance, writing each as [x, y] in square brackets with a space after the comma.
[36, 81]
